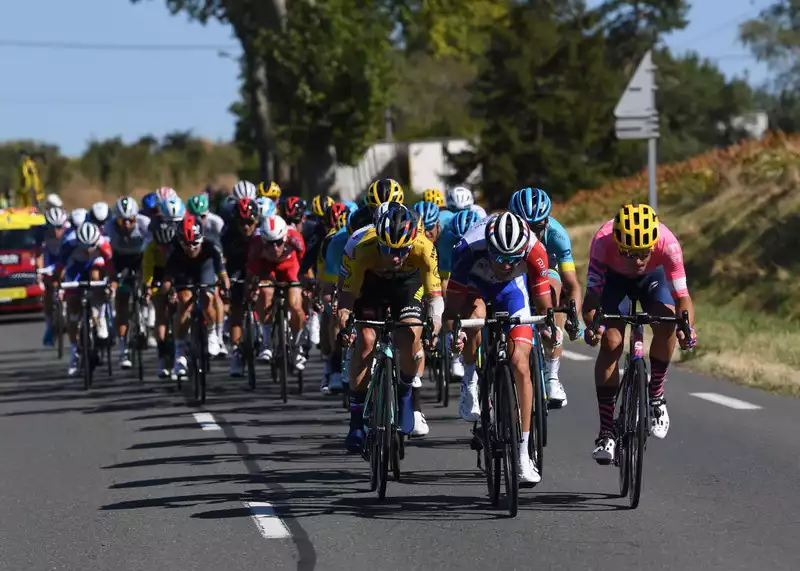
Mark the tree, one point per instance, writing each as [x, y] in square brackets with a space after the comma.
[331, 82]
[544, 104]
[247, 18]
[774, 37]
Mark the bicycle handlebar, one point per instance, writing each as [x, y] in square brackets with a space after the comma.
[279, 285]
[642, 318]
[84, 284]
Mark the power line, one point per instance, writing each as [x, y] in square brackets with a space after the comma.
[64, 45]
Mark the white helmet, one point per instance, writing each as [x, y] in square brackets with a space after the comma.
[99, 212]
[459, 198]
[382, 208]
[244, 189]
[55, 216]
[88, 235]
[166, 192]
[173, 209]
[507, 235]
[273, 229]
[126, 208]
[53, 200]
[78, 216]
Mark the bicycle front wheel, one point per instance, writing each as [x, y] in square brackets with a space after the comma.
[537, 437]
[58, 328]
[639, 414]
[247, 346]
[87, 348]
[282, 353]
[509, 431]
[383, 424]
[488, 439]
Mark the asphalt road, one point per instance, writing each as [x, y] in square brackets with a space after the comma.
[126, 478]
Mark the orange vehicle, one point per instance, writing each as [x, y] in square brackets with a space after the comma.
[20, 289]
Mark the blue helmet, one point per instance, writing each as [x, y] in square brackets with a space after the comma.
[351, 206]
[463, 221]
[428, 213]
[532, 204]
[150, 203]
[173, 209]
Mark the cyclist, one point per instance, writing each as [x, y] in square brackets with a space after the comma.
[275, 254]
[335, 221]
[271, 191]
[533, 204]
[428, 214]
[166, 193]
[242, 189]
[48, 243]
[393, 265]
[266, 207]
[150, 205]
[84, 256]
[293, 210]
[127, 232]
[437, 197]
[212, 228]
[314, 231]
[53, 200]
[634, 253]
[461, 198]
[459, 225]
[380, 191]
[494, 263]
[195, 261]
[236, 238]
[98, 214]
[154, 261]
[76, 218]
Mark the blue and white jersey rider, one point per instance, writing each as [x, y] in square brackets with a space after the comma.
[127, 230]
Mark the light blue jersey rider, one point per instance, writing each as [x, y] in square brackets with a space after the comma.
[559, 249]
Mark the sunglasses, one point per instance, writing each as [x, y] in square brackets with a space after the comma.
[539, 228]
[399, 252]
[247, 222]
[274, 243]
[127, 221]
[639, 255]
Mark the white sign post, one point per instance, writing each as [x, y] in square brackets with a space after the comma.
[637, 117]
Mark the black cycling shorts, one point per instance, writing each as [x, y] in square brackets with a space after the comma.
[194, 273]
[402, 295]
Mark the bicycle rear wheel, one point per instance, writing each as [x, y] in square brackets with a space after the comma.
[639, 422]
[135, 334]
[509, 433]
[445, 362]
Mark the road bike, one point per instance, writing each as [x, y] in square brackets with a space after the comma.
[383, 445]
[282, 342]
[252, 337]
[632, 418]
[500, 429]
[89, 357]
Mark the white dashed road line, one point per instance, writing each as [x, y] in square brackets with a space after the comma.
[206, 421]
[726, 401]
[267, 521]
[575, 356]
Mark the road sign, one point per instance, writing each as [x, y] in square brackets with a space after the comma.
[637, 117]
[639, 99]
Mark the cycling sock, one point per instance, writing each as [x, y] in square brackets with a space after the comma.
[523, 446]
[405, 384]
[606, 396]
[551, 367]
[415, 399]
[357, 410]
[162, 349]
[326, 366]
[658, 372]
[267, 330]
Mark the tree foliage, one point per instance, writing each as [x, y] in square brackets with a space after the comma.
[774, 38]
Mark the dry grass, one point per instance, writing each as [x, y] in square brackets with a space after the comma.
[740, 233]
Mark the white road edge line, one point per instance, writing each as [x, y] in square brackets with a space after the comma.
[575, 356]
[206, 421]
[726, 401]
[267, 521]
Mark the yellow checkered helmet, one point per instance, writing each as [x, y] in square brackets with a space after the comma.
[319, 205]
[434, 195]
[272, 190]
[384, 190]
[636, 227]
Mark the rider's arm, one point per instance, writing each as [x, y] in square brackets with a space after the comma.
[536, 262]
[670, 254]
[432, 283]
[148, 264]
[595, 280]
[219, 264]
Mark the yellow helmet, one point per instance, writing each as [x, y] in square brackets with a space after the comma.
[434, 195]
[317, 206]
[272, 191]
[397, 227]
[636, 227]
[384, 190]
[341, 221]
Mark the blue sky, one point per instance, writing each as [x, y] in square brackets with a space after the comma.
[69, 97]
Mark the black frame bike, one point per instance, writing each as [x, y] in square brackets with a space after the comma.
[89, 357]
[252, 336]
[500, 426]
[632, 414]
[282, 342]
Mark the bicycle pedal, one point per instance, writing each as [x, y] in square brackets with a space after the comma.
[476, 444]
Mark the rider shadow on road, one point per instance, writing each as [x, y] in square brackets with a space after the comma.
[569, 502]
